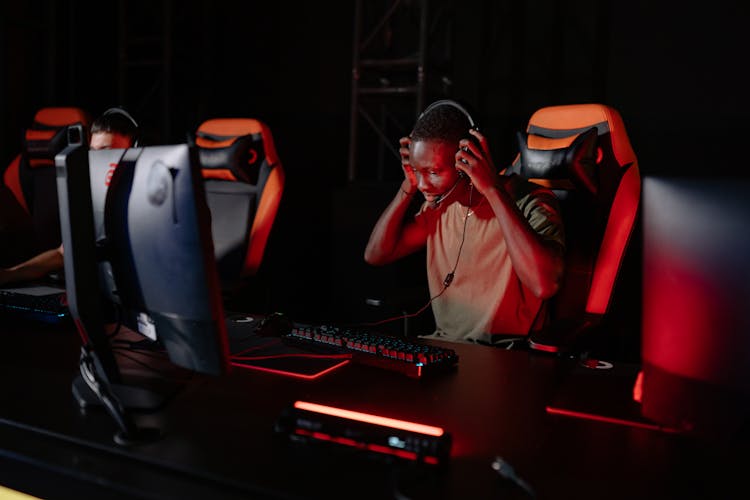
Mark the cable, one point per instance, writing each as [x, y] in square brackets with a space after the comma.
[449, 277]
[145, 345]
[506, 471]
[446, 282]
[165, 374]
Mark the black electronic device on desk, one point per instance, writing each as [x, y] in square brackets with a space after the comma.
[36, 301]
[308, 422]
[411, 357]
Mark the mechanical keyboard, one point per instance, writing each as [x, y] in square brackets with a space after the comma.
[410, 357]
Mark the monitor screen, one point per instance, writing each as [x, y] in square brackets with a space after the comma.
[696, 303]
[158, 244]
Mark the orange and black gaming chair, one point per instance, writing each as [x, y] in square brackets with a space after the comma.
[582, 152]
[30, 177]
[244, 182]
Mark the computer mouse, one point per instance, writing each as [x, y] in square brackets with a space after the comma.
[274, 325]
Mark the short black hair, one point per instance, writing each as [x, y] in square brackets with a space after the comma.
[443, 123]
[115, 123]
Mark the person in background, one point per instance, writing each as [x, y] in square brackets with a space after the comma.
[494, 243]
[114, 129]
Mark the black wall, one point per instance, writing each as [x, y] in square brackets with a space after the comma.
[676, 74]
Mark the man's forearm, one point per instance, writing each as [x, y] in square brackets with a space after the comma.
[387, 231]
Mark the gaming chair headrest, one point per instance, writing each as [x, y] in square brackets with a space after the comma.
[575, 162]
[564, 127]
[235, 149]
[48, 134]
[551, 123]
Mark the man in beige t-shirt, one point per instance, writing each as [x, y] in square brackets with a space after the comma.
[494, 243]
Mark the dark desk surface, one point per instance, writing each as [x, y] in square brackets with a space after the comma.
[219, 442]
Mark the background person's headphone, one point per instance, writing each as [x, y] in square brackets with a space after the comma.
[129, 117]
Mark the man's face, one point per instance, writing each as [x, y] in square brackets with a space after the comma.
[109, 140]
[433, 162]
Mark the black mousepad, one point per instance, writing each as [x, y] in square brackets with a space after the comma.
[602, 391]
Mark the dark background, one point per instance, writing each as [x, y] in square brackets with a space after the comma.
[675, 73]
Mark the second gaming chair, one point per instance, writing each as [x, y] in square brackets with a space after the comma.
[582, 152]
[30, 177]
[244, 184]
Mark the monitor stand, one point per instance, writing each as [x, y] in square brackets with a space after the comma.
[91, 387]
[142, 383]
[139, 399]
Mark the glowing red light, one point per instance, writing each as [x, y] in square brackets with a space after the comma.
[371, 419]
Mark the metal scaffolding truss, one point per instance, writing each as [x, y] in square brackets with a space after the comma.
[399, 47]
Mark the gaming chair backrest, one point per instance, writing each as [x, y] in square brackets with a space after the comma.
[591, 166]
[244, 184]
[31, 175]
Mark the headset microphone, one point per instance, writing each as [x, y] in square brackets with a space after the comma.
[443, 196]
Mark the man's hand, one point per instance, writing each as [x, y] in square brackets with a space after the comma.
[473, 158]
[409, 186]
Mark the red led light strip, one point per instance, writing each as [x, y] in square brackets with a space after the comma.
[370, 419]
[610, 420]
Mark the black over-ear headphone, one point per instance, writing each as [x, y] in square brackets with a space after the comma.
[129, 117]
[462, 109]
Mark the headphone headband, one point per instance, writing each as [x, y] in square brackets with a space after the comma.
[120, 111]
[449, 102]
[129, 117]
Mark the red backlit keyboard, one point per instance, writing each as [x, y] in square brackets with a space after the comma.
[408, 356]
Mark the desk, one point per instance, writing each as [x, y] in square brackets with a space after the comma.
[219, 442]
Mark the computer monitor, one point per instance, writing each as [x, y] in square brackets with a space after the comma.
[696, 304]
[158, 243]
[152, 257]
